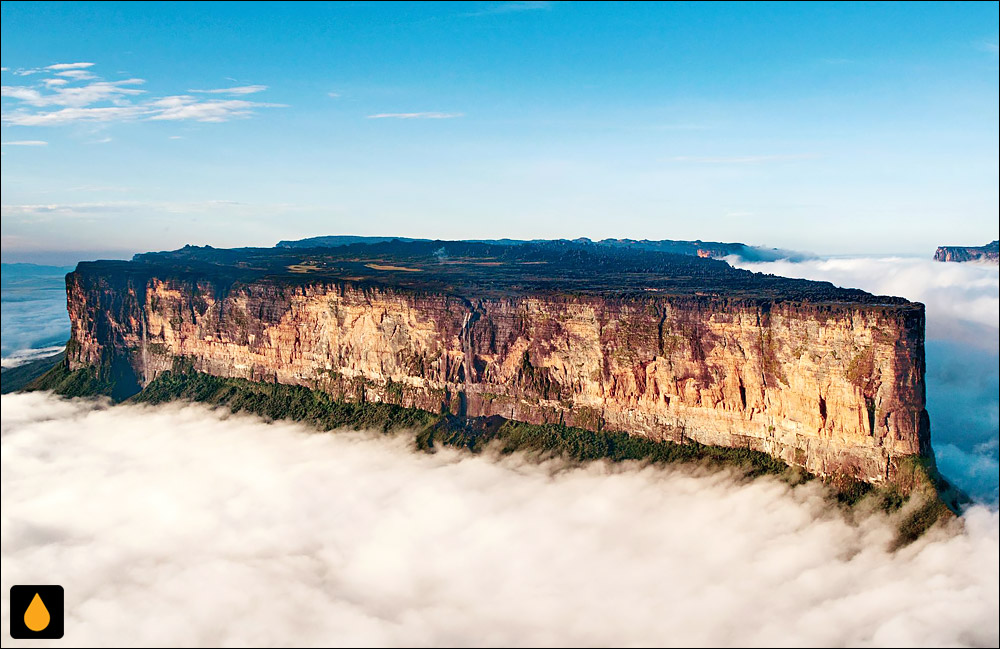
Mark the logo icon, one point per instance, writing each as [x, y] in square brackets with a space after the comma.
[36, 612]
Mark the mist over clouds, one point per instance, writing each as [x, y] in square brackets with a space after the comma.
[181, 525]
[963, 350]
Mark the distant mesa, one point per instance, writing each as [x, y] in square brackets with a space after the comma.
[338, 241]
[989, 253]
[698, 248]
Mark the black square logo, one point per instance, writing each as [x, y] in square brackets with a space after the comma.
[36, 612]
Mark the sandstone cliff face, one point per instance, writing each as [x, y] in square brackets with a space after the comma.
[833, 388]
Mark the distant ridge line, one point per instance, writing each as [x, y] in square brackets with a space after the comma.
[697, 248]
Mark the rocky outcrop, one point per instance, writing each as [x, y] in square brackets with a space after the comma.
[988, 253]
[835, 386]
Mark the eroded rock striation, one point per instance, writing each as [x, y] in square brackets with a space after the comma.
[653, 344]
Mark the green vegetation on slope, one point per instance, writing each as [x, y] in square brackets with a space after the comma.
[297, 403]
[582, 445]
[936, 498]
[279, 401]
[84, 382]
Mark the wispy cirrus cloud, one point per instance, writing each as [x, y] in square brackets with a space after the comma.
[74, 115]
[79, 75]
[41, 212]
[237, 90]
[23, 93]
[26, 143]
[69, 66]
[56, 68]
[745, 159]
[510, 8]
[78, 96]
[81, 96]
[69, 209]
[183, 107]
[425, 115]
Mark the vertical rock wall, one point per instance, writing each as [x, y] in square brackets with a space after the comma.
[833, 388]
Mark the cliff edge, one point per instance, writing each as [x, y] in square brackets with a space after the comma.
[662, 346]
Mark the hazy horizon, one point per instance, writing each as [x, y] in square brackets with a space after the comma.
[72, 256]
[832, 128]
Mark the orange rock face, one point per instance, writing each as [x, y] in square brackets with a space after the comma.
[834, 388]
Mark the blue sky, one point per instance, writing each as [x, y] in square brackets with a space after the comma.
[835, 128]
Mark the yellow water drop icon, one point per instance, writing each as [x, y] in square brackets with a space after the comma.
[36, 617]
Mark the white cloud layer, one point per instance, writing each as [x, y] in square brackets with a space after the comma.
[184, 526]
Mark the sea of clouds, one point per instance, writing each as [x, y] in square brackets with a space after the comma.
[181, 525]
